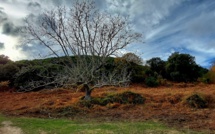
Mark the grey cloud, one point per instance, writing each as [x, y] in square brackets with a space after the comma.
[202, 25]
[57, 2]
[3, 16]
[99, 3]
[34, 6]
[35, 50]
[102, 4]
[2, 46]
[31, 50]
[10, 29]
[144, 13]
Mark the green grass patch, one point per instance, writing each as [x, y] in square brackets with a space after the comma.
[64, 126]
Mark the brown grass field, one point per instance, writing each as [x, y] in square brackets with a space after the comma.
[164, 104]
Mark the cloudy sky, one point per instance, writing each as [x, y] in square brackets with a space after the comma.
[185, 26]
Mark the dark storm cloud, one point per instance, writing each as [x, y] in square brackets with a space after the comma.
[1, 45]
[9, 28]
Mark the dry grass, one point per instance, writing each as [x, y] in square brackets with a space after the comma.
[4, 86]
[165, 104]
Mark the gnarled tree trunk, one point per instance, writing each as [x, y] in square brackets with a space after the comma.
[87, 92]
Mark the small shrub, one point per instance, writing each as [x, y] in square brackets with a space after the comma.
[151, 82]
[196, 101]
[127, 97]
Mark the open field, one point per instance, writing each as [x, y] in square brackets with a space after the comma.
[163, 104]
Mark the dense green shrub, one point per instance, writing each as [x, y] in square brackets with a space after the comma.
[138, 74]
[157, 65]
[37, 77]
[151, 81]
[8, 71]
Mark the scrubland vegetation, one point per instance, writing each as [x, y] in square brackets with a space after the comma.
[185, 102]
[84, 80]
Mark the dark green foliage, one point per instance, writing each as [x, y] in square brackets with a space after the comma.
[179, 68]
[39, 74]
[182, 68]
[138, 74]
[151, 81]
[44, 70]
[196, 101]
[157, 65]
[7, 72]
[127, 97]
[4, 59]
[208, 76]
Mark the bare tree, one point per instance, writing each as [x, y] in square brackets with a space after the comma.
[87, 34]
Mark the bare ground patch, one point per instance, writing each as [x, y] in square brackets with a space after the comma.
[9, 129]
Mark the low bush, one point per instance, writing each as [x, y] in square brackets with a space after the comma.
[127, 97]
[196, 101]
[151, 82]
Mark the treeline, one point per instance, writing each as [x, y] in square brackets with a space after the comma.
[178, 68]
[43, 72]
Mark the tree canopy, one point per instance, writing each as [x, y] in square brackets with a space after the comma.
[131, 57]
[182, 67]
[157, 65]
[4, 59]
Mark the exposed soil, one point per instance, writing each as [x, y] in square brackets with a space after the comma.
[165, 104]
[8, 129]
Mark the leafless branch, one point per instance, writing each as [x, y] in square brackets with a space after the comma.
[87, 34]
